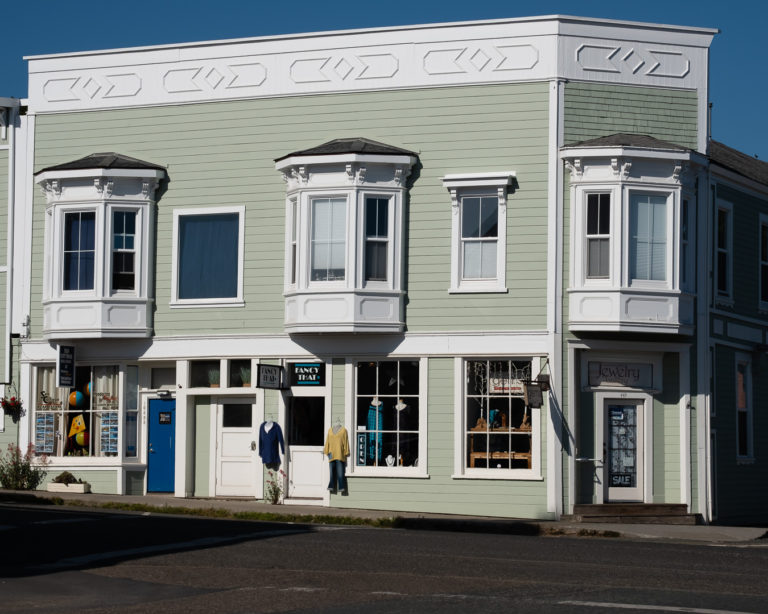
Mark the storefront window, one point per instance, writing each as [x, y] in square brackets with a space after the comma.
[130, 435]
[78, 421]
[387, 402]
[498, 422]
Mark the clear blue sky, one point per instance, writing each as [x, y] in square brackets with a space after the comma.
[737, 60]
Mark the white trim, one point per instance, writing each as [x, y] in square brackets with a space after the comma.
[99, 172]
[211, 302]
[685, 428]
[498, 51]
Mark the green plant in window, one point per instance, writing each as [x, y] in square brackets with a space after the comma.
[245, 375]
[213, 378]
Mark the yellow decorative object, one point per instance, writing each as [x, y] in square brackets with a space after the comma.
[78, 425]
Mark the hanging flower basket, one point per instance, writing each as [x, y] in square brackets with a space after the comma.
[13, 408]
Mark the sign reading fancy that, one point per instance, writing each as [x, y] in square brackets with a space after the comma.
[630, 375]
[307, 374]
[269, 376]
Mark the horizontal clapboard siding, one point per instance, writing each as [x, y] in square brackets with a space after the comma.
[221, 154]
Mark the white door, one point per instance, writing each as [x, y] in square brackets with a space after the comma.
[307, 467]
[624, 459]
[236, 450]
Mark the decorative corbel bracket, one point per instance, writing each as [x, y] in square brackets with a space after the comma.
[626, 167]
[574, 167]
[361, 171]
[615, 166]
[300, 174]
[51, 189]
[454, 200]
[502, 196]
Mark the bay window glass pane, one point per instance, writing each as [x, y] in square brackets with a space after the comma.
[647, 237]
[376, 261]
[123, 240]
[376, 238]
[79, 250]
[208, 256]
[328, 251]
[479, 217]
[598, 257]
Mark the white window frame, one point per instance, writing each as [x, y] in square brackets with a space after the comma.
[687, 244]
[493, 184]
[393, 219]
[460, 469]
[763, 262]
[135, 250]
[581, 250]
[598, 236]
[421, 470]
[726, 296]
[742, 358]
[236, 301]
[670, 280]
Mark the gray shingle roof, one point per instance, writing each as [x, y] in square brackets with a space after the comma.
[738, 162]
[103, 160]
[353, 145]
[629, 140]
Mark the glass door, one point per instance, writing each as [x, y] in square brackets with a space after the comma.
[624, 451]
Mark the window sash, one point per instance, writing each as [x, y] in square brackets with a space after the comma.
[376, 238]
[723, 252]
[79, 250]
[123, 250]
[648, 237]
[208, 258]
[328, 239]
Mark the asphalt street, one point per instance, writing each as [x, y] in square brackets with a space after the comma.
[58, 560]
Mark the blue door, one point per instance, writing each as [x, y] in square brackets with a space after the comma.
[161, 454]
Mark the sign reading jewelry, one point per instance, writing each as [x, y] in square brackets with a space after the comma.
[621, 374]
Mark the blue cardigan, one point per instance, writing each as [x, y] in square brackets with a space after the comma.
[268, 441]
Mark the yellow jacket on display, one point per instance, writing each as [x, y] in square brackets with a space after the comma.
[337, 445]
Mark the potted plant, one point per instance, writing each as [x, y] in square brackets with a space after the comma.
[66, 482]
[13, 407]
[213, 378]
[245, 376]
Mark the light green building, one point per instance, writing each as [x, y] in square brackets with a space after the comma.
[475, 258]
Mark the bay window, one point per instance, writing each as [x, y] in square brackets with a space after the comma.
[344, 236]
[98, 257]
[630, 263]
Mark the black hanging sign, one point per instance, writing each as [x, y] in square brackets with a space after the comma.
[307, 373]
[269, 376]
[65, 367]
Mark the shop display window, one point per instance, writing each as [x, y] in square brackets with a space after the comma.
[387, 408]
[499, 425]
[78, 421]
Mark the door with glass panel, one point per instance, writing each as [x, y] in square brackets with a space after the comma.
[624, 459]
[236, 450]
[161, 452]
[306, 427]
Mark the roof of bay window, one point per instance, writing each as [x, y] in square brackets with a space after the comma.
[356, 145]
[642, 141]
[108, 160]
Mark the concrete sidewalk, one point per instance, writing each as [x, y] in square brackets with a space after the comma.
[714, 534]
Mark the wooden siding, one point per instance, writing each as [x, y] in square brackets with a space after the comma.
[441, 493]
[593, 110]
[221, 154]
[101, 481]
[741, 494]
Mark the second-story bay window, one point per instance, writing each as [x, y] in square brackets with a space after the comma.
[98, 259]
[344, 236]
[632, 202]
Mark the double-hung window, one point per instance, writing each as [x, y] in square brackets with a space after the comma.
[723, 247]
[123, 250]
[647, 237]
[598, 236]
[376, 238]
[328, 242]
[479, 230]
[208, 245]
[79, 250]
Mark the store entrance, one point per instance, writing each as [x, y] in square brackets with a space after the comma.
[161, 452]
[306, 430]
[624, 461]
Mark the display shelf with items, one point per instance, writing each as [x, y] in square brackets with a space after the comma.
[498, 421]
[45, 433]
[108, 435]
